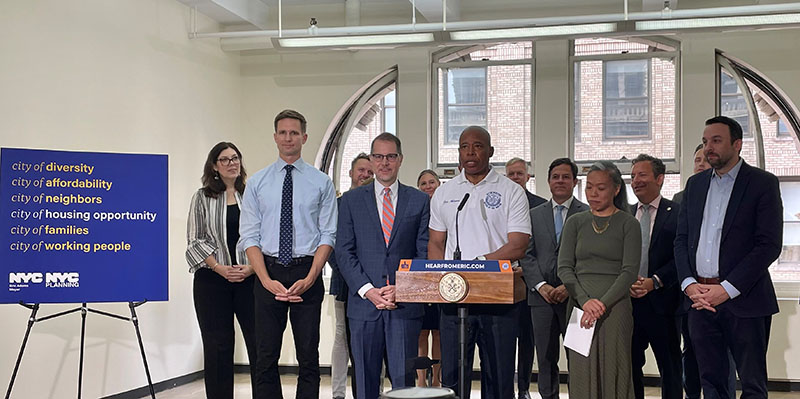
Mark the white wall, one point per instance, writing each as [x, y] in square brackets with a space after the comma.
[117, 76]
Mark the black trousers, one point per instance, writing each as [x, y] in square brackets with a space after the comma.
[216, 300]
[714, 334]
[659, 332]
[525, 341]
[494, 329]
[271, 317]
[691, 375]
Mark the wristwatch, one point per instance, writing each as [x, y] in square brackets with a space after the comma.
[480, 257]
[656, 282]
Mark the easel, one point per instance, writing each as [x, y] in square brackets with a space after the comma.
[84, 309]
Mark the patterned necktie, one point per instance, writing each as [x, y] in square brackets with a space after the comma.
[644, 223]
[285, 241]
[387, 215]
[559, 221]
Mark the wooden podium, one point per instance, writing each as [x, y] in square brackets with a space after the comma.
[457, 281]
[462, 283]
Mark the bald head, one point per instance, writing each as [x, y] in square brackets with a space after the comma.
[474, 151]
[478, 131]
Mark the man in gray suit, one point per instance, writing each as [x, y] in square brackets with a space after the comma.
[547, 296]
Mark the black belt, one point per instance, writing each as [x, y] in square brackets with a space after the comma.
[294, 262]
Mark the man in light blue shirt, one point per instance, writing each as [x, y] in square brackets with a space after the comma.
[287, 228]
[719, 194]
[730, 231]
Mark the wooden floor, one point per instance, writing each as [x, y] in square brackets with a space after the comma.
[195, 390]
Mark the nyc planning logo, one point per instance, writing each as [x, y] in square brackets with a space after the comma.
[18, 280]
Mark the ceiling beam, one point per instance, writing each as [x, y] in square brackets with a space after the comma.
[431, 10]
[233, 12]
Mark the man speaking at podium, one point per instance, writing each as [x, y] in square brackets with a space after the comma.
[379, 224]
[495, 224]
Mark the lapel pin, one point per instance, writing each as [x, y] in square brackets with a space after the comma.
[669, 208]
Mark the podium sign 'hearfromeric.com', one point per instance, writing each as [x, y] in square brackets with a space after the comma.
[82, 226]
[459, 281]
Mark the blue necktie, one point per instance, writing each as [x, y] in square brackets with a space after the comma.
[559, 221]
[285, 241]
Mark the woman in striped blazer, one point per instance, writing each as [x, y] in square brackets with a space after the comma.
[223, 281]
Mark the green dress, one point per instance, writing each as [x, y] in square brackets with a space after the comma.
[602, 266]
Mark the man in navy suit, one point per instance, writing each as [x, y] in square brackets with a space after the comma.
[730, 231]
[380, 224]
[655, 294]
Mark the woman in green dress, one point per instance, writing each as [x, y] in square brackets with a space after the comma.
[598, 261]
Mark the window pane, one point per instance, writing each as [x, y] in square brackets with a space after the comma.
[504, 52]
[492, 52]
[531, 186]
[781, 154]
[389, 100]
[632, 112]
[733, 104]
[466, 86]
[597, 46]
[359, 141]
[783, 130]
[576, 103]
[627, 107]
[503, 107]
[389, 121]
[626, 78]
[787, 268]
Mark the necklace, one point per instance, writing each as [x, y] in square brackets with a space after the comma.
[600, 230]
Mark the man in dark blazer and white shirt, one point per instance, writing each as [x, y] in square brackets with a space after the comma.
[380, 224]
[547, 296]
[730, 230]
[655, 294]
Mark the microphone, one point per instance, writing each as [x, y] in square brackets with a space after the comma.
[457, 251]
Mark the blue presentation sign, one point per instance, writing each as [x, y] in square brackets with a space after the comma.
[83, 226]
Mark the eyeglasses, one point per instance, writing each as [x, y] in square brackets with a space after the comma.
[228, 161]
[389, 157]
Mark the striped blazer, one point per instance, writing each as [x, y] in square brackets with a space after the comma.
[206, 232]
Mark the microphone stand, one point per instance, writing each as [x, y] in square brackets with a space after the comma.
[462, 319]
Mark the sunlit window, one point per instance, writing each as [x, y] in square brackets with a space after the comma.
[624, 99]
[487, 86]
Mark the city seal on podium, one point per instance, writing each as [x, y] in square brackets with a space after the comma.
[453, 287]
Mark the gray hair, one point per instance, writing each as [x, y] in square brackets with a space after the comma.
[621, 199]
[515, 160]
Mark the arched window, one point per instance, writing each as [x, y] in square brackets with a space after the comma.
[369, 112]
[770, 124]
